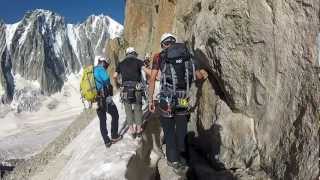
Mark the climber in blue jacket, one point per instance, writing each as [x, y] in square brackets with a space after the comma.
[105, 102]
[101, 76]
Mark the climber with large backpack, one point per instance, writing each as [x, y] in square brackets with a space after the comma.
[131, 87]
[105, 103]
[178, 71]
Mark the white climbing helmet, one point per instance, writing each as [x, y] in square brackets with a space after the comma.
[166, 36]
[103, 59]
[130, 50]
[98, 59]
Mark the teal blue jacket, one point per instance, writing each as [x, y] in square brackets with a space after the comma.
[101, 77]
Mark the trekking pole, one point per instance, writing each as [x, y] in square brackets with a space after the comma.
[124, 128]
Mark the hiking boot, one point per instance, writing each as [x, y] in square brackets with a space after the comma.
[183, 161]
[183, 165]
[178, 167]
[138, 139]
[108, 144]
[133, 135]
[174, 165]
[139, 135]
[116, 139]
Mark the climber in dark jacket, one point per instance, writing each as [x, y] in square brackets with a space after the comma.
[173, 106]
[130, 70]
[105, 102]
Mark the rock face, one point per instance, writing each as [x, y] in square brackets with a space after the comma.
[261, 57]
[258, 110]
[43, 48]
[116, 52]
[146, 21]
[6, 79]
[318, 44]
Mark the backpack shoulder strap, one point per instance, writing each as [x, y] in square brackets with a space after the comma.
[174, 78]
[186, 64]
[193, 70]
[162, 60]
[189, 65]
[163, 78]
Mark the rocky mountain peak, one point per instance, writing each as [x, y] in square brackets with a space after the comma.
[95, 23]
[40, 12]
[43, 17]
[43, 48]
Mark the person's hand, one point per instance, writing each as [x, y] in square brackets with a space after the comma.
[152, 107]
[204, 74]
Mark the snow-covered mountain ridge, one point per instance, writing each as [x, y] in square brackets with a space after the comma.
[43, 48]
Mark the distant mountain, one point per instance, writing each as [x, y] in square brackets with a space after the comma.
[42, 48]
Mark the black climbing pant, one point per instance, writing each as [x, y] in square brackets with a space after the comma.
[175, 131]
[108, 106]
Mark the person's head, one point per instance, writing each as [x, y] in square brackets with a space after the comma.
[147, 60]
[104, 62]
[131, 51]
[167, 40]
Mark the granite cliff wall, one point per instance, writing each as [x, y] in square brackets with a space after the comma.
[258, 111]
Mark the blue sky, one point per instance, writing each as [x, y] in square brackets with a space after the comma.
[74, 11]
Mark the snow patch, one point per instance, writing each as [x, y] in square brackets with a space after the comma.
[68, 99]
[2, 91]
[72, 33]
[10, 31]
[100, 39]
[25, 90]
[43, 11]
[73, 81]
[87, 157]
[48, 18]
[94, 23]
[115, 29]
[58, 43]
[21, 83]
[25, 33]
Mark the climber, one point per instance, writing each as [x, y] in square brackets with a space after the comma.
[105, 102]
[145, 74]
[177, 71]
[131, 90]
[146, 61]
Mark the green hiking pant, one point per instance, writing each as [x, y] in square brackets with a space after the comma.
[134, 110]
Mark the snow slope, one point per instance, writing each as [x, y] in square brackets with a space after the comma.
[27, 133]
[2, 91]
[10, 31]
[87, 158]
[115, 29]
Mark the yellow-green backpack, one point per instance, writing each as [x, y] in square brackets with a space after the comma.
[88, 85]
